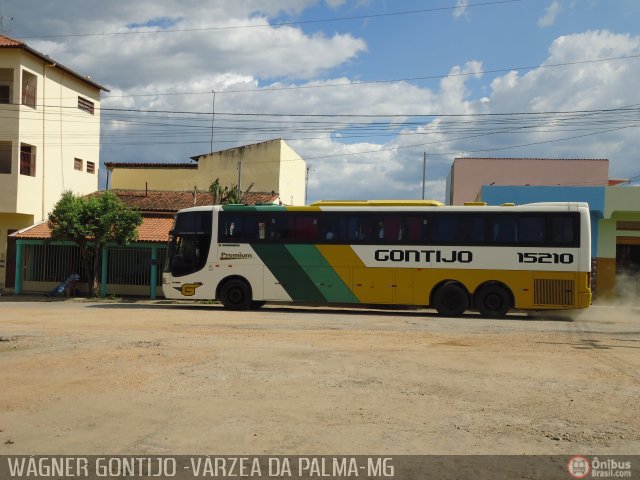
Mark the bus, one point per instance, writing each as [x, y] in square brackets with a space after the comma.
[410, 253]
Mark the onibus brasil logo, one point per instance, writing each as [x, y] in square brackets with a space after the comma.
[582, 467]
[579, 467]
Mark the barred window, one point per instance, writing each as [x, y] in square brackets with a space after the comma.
[85, 105]
[77, 164]
[27, 160]
[91, 167]
[29, 89]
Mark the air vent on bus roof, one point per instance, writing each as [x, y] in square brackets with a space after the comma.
[378, 203]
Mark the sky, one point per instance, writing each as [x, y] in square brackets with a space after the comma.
[361, 89]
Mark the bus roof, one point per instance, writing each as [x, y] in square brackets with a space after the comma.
[377, 203]
[395, 205]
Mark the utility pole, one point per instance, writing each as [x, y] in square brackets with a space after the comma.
[424, 172]
[239, 178]
[213, 116]
[306, 183]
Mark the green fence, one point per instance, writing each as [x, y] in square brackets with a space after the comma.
[136, 265]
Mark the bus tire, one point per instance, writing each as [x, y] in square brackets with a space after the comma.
[256, 304]
[493, 300]
[450, 300]
[235, 295]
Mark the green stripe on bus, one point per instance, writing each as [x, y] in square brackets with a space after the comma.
[291, 275]
[253, 208]
[321, 273]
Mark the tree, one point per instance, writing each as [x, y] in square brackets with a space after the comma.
[92, 222]
[226, 195]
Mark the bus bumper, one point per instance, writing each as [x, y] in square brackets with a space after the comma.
[584, 300]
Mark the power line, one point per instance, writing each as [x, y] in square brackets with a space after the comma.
[483, 150]
[373, 82]
[279, 24]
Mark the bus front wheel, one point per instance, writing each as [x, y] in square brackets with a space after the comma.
[492, 301]
[235, 295]
[450, 300]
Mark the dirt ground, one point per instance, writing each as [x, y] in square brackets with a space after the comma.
[86, 377]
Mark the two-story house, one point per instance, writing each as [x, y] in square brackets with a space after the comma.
[49, 138]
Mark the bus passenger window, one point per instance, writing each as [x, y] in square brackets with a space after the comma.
[357, 228]
[335, 229]
[413, 229]
[459, 229]
[504, 229]
[531, 230]
[389, 229]
[563, 230]
[306, 228]
[278, 229]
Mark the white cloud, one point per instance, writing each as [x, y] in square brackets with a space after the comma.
[350, 157]
[461, 8]
[390, 164]
[550, 15]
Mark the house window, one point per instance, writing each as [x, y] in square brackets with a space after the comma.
[5, 157]
[91, 167]
[28, 160]
[85, 105]
[6, 84]
[77, 164]
[5, 93]
[29, 89]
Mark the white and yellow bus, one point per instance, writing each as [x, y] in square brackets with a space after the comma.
[489, 259]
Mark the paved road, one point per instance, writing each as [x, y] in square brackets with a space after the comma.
[158, 377]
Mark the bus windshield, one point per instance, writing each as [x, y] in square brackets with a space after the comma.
[189, 244]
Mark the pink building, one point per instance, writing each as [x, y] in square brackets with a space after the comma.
[468, 175]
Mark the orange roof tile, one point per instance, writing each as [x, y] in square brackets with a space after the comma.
[153, 229]
[9, 42]
[171, 202]
[39, 231]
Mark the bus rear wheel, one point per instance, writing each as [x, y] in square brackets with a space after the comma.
[450, 300]
[493, 301]
[235, 295]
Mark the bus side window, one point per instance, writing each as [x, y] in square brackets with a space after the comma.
[250, 231]
[306, 228]
[391, 229]
[563, 230]
[230, 227]
[335, 228]
[531, 230]
[413, 229]
[446, 228]
[358, 228]
[328, 228]
[504, 229]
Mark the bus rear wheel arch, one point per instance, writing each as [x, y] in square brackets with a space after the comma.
[493, 300]
[235, 294]
[450, 299]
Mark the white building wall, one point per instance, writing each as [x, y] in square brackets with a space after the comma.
[57, 131]
[292, 176]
